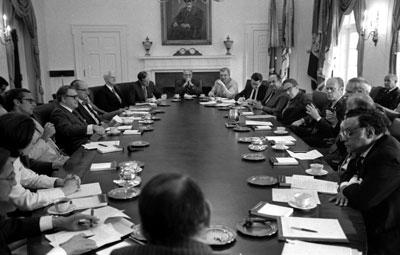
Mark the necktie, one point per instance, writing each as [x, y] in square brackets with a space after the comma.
[116, 94]
[269, 97]
[144, 92]
[92, 112]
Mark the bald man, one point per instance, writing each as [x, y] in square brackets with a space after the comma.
[109, 98]
[389, 95]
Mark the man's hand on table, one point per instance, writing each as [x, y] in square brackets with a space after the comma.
[78, 244]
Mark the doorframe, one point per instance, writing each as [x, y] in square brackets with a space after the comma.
[78, 30]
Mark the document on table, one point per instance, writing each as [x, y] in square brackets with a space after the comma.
[286, 139]
[107, 251]
[103, 213]
[313, 154]
[288, 179]
[311, 229]
[228, 101]
[86, 190]
[61, 237]
[208, 103]
[284, 161]
[258, 123]
[89, 202]
[247, 113]
[264, 209]
[286, 195]
[124, 127]
[263, 116]
[296, 247]
[104, 234]
[109, 149]
[103, 166]
[132, 132]
[260, 128]
[102, 144]
[224, 104]
[321, 186]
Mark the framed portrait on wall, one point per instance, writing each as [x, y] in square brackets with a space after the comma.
[185, 22]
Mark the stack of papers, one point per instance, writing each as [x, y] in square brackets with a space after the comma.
[257, 123]
[88, 189]
[311, 229]
[109, 149]
[289, 179]
[286, 139]
[296, 247]
[263, 116]
[208, 103]
[103, 144]
[103, 166]
[126, 127]
[132, 132]
[314, 184]
[271, 211]
[260, 128]
[286, 195]
[106, 212]
[89, 202]
[313, 154]
[134, 108]
[284, 161]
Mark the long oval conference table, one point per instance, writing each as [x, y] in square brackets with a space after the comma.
[192, 139]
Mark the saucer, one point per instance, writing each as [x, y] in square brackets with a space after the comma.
[146, 121]
[119, 193]
[175, 100]
[52, 210]
[275, 148]
[256, 147]
[262, 180]
[146, 128]
[132, 183]
[217, 235]
[305, 208]
[281, 132]
[253, 156]
[320, 173]
[257, 227]
[155, 118]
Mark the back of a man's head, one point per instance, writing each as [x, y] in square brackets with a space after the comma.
[172, 209]
[358, 85]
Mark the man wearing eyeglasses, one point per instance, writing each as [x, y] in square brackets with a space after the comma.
[371, 180]
[71, 128]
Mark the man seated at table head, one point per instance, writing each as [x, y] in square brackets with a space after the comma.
[371, 180]
[296, 107]
[17, 135]
[14, 229]
[319, 128]
[21, 100]
[108, 98]
[254, 91]
[71, 128]
[173, 212]
[275, 98]
[389, 95]
[187, 85]
[224, 86]
[144, 90]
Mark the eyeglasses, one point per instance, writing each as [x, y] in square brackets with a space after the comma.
[349, 132]
[72, 96]
[84, 90]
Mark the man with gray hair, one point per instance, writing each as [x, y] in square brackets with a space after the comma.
[187, 85]
[224, 86]
[109, 98]
[389, 95]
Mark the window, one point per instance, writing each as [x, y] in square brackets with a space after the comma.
[345, 53]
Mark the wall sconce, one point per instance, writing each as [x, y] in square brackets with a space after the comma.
[5, 31]
[370, 26]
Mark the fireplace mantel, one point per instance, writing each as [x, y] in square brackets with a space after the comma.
[155, 64]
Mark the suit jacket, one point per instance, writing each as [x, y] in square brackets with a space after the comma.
[246, 92]
[388, 99]
[86, 115]
[324, 127]
[107, 101]
[295, 109]
[378, 195]
[137, 94]
[275, 100]
[12, 230]
[193, 90]
[71, 131]
[189, 248]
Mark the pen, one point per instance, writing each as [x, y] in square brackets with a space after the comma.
[103, 145]
[91, 214]
[304, 229]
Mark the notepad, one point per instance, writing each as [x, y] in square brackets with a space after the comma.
[258, 123]
[103, 166]
[109, 149]
[310, 155]
[284, 161]
[260, 128]
[321, 186]
[89, 202]
[286, 139]
[88, 189]
[296, 247]
[286, 195]
[268, 210]
[95, 145]
[328, 230]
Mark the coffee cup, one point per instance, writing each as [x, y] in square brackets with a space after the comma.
[176, 96]
[62, 205]
[163, 96]
[280, 129]
[316, 168]
[303, 199]
[202, 95]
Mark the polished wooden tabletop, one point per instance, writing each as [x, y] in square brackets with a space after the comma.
[193, 140]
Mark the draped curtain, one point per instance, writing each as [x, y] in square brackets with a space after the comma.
[23, 9]
[273, 36]
[287, 40]
[394, 47]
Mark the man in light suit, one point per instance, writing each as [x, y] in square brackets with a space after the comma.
[71, 128]
[109, 98]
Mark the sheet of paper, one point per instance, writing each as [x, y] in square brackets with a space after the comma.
[289, 179]
[124, 127]
[109, 149]
[310, 155]
[88, 202]
[208, 103]
[286, 195]
[275, 210]
[258, 123]
[95, 145]
[107, 251]
[58, 238]
[247, 113]
[104, 234]
[325, 228]
[103, 213]
[296, 247]
[226, 100]
[321, 186]
[88, 189]
[133, 108]
[263, 116]
[101, 166]
[286, 161]
[262, 128]
[132, 132]
[286, 139]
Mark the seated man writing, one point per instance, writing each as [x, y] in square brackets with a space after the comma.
[254, 91]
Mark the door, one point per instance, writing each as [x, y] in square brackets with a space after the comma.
[99, 49]
[256, 49]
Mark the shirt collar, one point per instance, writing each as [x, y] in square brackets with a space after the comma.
[66, 107]
[111, 88]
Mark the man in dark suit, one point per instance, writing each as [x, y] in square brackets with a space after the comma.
[187, 85]
[173, 211]
[389, 95]
[143, 90]
[12, 230]
[71, 128]
[320, 126]
[371, 181]
[254, 90]
[109, 98]
[296, 107]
